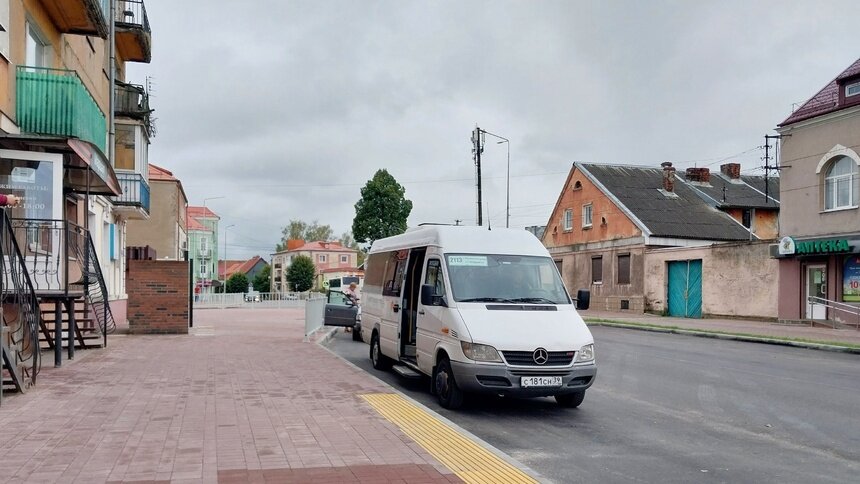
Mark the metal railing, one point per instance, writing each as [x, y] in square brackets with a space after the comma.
[20, 314]
[96, 291]
[131, 100]
[132, 13]
[259, 300]
[52, 251]
[135, 191]
[849, 312]
[56, 102]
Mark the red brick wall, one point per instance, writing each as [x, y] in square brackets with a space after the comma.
[157, 296]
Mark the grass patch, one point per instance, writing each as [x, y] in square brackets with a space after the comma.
[671, 328]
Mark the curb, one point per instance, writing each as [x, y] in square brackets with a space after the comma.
[486, 445]
[729, 337]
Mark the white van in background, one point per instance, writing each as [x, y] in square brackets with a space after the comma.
[477, 310]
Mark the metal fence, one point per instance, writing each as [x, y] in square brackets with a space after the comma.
[314, 314]
[260, 300]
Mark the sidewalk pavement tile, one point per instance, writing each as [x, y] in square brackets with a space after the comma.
[249, 402]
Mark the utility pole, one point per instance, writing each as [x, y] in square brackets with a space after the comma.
[477, 149]
[767, 167]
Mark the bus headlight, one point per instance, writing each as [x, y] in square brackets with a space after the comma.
[585, 354]
[478, 352]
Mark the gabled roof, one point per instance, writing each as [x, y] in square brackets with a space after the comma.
[323, 246]
[202, 212]
[686, 216]
[236, 266]
[194, 224]
[826, 100]
[747, 192]
[158, 173]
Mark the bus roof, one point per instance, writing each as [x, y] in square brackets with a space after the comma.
[465, 240]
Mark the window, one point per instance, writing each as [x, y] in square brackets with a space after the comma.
[321, 258]
[374, 269]
[597, 270]
[434, 276]
[852, 89]
[4, 28]
[394, 273]
[204, 244]
[746, 218]
[624, 269]
[204, 269]
[577, 185]
[568, 220]
[344, 259]
[840, 184]
[37, 51]
[586, 215]
[125, 141]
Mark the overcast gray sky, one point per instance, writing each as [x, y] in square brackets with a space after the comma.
[287, 108]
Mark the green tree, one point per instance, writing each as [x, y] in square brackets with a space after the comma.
[382, 210]
[301, 230]
[237, 283]
[300, 274]
[262, 280]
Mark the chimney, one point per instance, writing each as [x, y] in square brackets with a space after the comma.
[701, 175]
[294, 244]
[731, 170]
[668, 176]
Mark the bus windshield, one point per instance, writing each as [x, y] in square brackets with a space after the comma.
[505, 278]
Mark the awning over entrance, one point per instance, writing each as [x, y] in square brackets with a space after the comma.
[79, 157]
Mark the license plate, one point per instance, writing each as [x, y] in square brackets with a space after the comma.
[540, 381]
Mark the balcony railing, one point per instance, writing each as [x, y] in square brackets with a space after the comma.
[56, 102]
[135, 191]
[131, 100]
[205, 253]
[132, 13]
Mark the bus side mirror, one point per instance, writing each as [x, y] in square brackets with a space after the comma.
[429, 297]
[583, 299]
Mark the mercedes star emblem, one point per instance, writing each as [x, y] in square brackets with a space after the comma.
[540, 356]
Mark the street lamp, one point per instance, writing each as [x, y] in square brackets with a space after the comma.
[508, 177]
[225, 255]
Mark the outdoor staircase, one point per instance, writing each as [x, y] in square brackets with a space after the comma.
[96, 290]
[87, 333]
[20, 356]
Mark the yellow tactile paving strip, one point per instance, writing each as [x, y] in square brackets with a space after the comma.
[468, 460]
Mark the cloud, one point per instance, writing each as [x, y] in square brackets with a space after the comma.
[287, 108]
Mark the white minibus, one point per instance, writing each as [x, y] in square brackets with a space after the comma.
[476, 310]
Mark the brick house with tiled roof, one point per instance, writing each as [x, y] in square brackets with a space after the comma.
[250, 267]
[613, 224]
[819, 258]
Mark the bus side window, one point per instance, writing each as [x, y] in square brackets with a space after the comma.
[434, 276]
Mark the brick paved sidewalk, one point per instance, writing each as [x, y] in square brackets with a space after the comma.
[240, 400]
[760, 328]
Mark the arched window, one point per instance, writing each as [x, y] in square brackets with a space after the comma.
[840, 184]
[577, 185]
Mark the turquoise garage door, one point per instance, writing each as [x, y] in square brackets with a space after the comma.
[685, 288]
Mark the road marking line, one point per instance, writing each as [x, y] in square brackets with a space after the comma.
[468, 460]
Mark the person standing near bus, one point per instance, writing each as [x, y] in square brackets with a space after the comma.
[351, 294]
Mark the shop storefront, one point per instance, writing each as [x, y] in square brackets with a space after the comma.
[819, 278]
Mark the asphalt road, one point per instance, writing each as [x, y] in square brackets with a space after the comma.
[673, 408]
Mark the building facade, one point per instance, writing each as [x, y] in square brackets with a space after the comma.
[165, 230]
[55, 112]
[331, 259]
[202, 225]
[819, 255]
[607, 219]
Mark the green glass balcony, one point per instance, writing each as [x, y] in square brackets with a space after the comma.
[56, 102]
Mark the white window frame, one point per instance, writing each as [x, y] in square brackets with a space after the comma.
[852, 178]
[567, 220]
[587, 214]
[855, 86]
[4, 29]
[204, 268]
[322, 259]
[43, 53]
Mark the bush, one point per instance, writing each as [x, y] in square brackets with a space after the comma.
[238, 283]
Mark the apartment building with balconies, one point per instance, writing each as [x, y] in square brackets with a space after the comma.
[202, 225]
[165, 230]
[56, 101]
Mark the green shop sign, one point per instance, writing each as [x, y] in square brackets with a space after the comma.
[789, 246]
